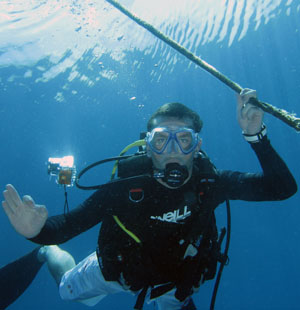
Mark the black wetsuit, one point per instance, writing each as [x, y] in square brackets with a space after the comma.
[17, 276]
[166, 220]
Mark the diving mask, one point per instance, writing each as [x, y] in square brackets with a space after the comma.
[162, 138]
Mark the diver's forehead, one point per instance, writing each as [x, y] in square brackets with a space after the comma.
[173, 122]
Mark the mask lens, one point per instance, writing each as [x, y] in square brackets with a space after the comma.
[159, 140]
[185, 140]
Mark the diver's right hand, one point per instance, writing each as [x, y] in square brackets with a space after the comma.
[26, 217]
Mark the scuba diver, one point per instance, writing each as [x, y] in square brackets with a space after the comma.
[158, 238]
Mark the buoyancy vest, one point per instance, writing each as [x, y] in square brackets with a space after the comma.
[193, 247]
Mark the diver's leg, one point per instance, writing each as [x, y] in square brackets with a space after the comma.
[168, 301]
[17, 276]
[85, 283]
[58, 261]
[189, 304]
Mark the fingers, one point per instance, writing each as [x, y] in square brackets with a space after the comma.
[244, 108]
[13, 194]
[9, 212]
[13, 201]
[248, 111]
[12, 198]
[28, 201]
[245, 95]
[248, 91]
[42, 210]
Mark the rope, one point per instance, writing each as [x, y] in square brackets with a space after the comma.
[288, 118]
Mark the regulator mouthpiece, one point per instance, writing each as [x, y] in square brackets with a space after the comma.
[174, 174]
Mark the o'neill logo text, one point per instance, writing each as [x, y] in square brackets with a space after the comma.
[173, 216]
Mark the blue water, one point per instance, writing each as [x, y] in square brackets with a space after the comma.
[89, 90]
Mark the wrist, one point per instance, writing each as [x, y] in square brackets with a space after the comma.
[255, 138]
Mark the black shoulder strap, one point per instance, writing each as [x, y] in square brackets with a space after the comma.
[204, 166]
[139, 164]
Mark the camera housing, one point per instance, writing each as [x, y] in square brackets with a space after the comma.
[63, 169]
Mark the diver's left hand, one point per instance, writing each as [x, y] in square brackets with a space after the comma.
[249, 116]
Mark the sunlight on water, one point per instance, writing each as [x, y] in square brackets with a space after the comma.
[62, 32]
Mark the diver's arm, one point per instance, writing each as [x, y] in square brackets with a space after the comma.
[275, 182]
[61, 228]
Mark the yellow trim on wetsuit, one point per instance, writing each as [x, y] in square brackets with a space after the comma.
[136, 143]
[131, 234]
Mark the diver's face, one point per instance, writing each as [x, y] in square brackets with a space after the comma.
[180, 149]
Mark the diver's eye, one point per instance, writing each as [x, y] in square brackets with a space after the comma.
[159, 140]
[184, 139]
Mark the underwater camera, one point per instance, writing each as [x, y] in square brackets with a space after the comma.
[63, 169]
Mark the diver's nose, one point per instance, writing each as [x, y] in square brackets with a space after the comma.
[173, 147]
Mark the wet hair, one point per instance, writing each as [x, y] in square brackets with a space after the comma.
[176, 110]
